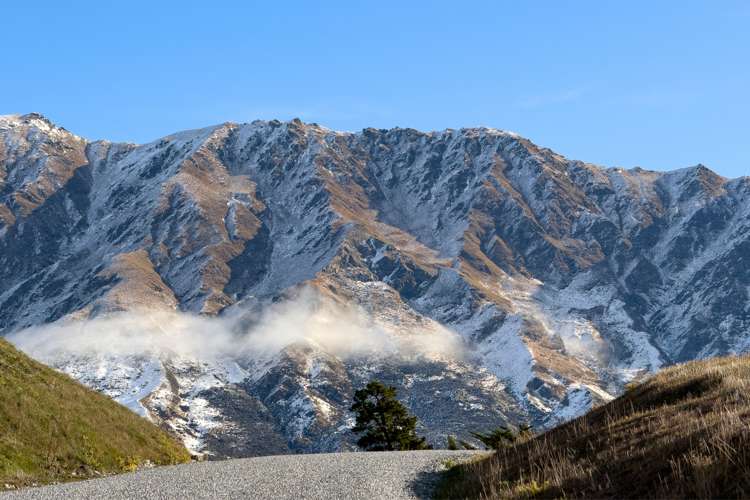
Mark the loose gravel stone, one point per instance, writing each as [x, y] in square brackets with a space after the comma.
[392, 475]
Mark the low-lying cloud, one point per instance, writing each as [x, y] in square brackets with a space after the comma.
[343, 331]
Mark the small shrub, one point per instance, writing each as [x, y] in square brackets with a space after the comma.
[128, 464]
[452, 444]
[494, 439]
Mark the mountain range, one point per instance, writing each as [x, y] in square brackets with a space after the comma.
[275, 267]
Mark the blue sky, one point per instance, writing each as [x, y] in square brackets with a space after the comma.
[660, 85]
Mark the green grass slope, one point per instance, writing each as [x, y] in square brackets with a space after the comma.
[54, 429]
[684, 433]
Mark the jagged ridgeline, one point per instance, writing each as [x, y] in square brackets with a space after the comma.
[54, 429]
[561, 281]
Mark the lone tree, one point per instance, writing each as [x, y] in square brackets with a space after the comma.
[385, 424]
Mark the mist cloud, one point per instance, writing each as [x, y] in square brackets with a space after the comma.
[343, 331]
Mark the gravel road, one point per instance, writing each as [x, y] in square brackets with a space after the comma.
[392, 475]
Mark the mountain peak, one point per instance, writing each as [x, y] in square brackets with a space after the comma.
[36, 116]
[36, 121]
[27, 118]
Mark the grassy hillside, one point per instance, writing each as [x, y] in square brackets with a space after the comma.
[685, 433]
[54, 429]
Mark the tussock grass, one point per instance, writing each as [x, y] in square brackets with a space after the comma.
[54, 429]
[684, 433]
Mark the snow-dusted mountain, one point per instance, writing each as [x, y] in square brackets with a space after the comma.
[488, 278]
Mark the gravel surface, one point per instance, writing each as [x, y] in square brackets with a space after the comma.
[409, 474]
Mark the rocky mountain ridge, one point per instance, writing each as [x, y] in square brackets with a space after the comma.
[560, 280]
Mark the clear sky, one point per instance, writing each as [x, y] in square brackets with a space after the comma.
[657, 84]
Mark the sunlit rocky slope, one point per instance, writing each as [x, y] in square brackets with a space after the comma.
[503, 281]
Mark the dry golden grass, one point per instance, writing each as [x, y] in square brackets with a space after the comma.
[684, 433]
[54, 429]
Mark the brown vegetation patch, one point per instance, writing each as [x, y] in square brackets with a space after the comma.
[6, 216]
[140, 286]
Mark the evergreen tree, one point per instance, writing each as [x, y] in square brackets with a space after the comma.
[385, 424]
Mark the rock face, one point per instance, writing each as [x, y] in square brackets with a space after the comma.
[563, 280]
